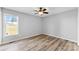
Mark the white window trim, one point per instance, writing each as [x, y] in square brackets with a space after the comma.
[5, 24]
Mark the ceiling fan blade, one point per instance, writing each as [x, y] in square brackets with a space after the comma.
[44, 9]
[45, 12]
[36, 10]
[36, 13]
[40, 9]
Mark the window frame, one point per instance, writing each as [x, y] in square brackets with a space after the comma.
[4, 22]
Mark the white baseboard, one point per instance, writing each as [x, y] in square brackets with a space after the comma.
[39, 34]
[61, 37]
[20, 38]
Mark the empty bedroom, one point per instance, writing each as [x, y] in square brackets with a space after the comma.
[39, 29]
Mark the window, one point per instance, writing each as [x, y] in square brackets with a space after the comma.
[11, 24]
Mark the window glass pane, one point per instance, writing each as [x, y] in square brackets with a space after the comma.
[11, 25]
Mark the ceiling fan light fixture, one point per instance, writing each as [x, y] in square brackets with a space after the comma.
[41, 11]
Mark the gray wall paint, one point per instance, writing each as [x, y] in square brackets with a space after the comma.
[28, 26]
[0, 26]
[62, 25]
[78, 27]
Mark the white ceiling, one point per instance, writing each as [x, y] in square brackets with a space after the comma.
[51, 10]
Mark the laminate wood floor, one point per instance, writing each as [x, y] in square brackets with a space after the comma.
[40, 43]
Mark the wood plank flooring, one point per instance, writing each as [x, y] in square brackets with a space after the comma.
[40, 43]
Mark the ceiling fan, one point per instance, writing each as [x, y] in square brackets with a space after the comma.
[41, 11]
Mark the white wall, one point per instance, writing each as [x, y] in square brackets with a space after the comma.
[62, 25]
[0, 26]
[78, 27]
[28, 26]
